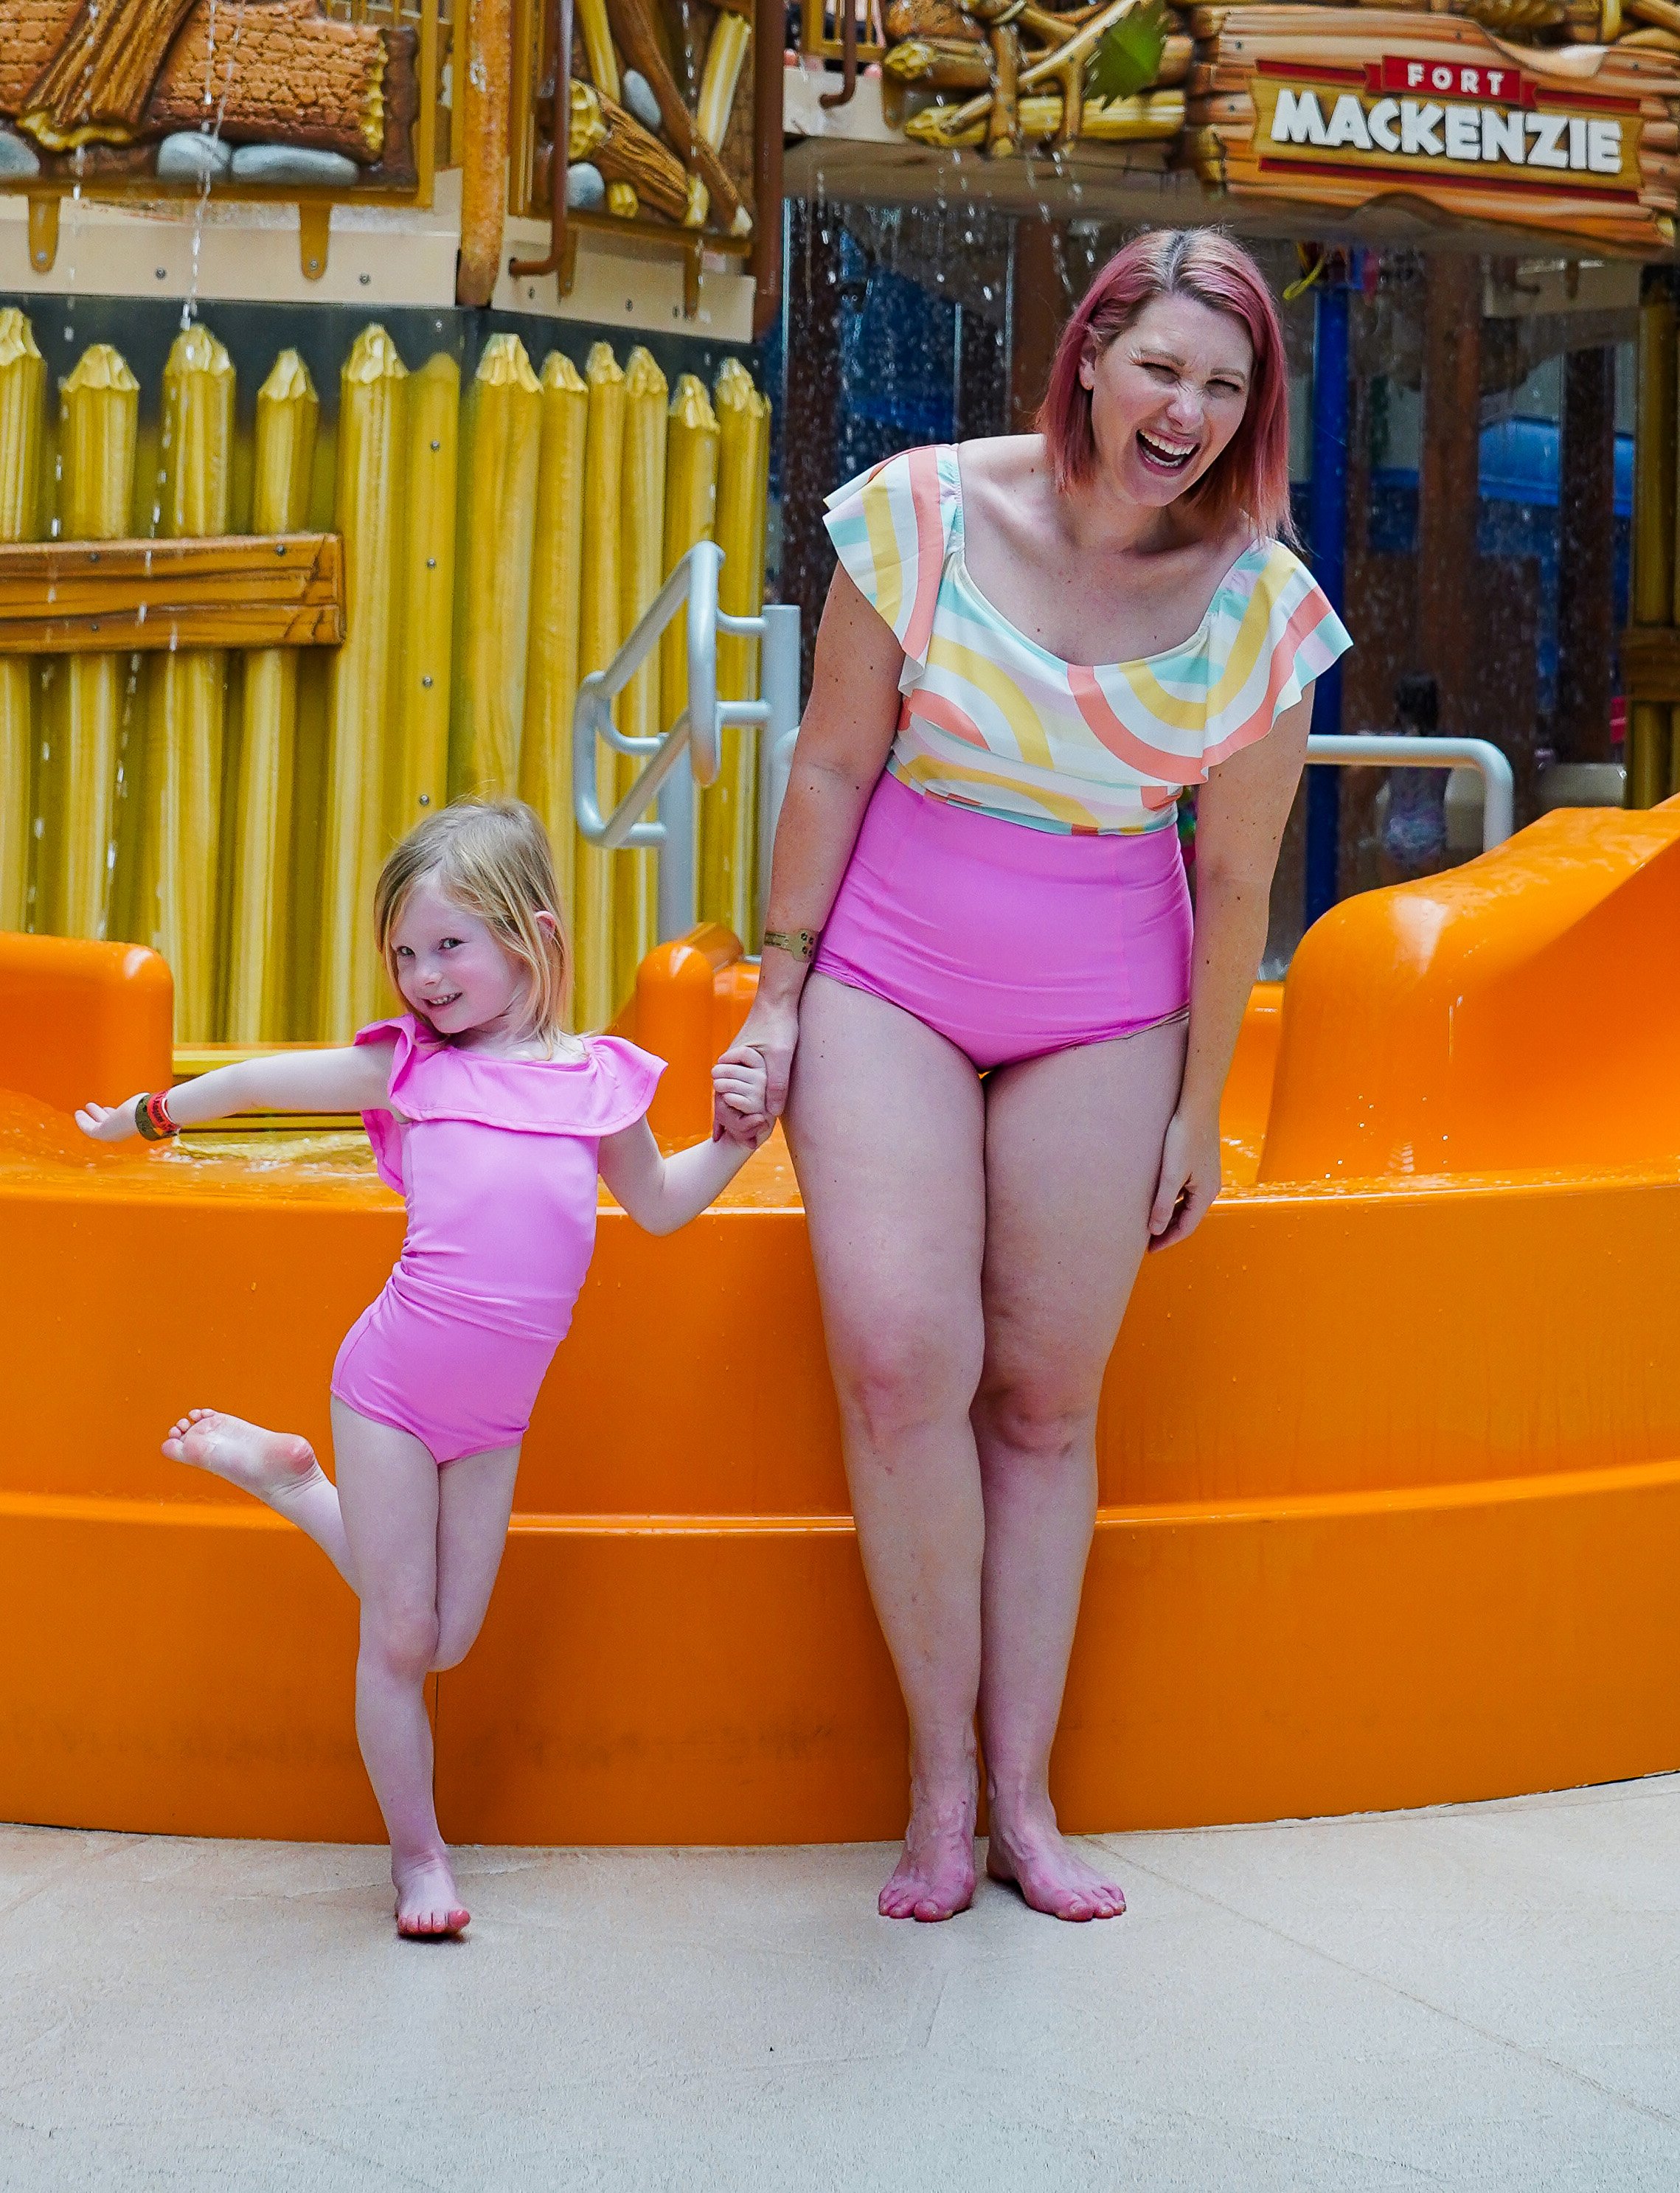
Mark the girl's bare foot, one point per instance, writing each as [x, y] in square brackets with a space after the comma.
[270, 1464]
[935, 1877]
[1051, 1876]
[428, 1905]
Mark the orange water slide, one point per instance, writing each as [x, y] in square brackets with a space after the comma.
[1389, 1452]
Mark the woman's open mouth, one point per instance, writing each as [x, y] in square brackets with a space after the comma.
[1162, 456]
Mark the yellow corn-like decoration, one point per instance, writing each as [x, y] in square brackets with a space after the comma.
[182, 773]
[732, 36]
[502, 429]
[597, 34]
[728, 811]
[691, 515]
[370, 507]
[23, 388]
[88, 704]
[287, 417]
[418, 777]
[641, 573]
[599, 635]
[556, 583]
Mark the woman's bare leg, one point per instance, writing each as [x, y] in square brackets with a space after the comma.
[414, 1540]
[278, 1467]
[1073, 1151]
[886, 1121]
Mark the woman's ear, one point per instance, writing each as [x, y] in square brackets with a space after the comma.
[545, 922]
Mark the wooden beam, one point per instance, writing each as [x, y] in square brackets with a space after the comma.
[114, 597]
[1448, 483]
[1586, 556]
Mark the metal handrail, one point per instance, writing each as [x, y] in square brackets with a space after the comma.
[1395, 750]
[690, 753]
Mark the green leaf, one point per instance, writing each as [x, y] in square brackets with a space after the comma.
[1127, 56]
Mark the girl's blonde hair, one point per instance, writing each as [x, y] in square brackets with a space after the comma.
[492, 857]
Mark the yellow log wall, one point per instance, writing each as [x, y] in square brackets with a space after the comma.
[499, 540]
[23, 394]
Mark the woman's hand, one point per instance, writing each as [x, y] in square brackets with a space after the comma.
[772, 1032]
[1191, 1178]
[103, 1124]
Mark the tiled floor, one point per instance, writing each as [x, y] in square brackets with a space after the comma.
[1483, 1998]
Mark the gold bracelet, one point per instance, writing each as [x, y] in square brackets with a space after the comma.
[797, 943]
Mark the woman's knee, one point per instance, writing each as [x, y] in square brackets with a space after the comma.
[402, 1638]
[892, 1384]
[1040, 1419]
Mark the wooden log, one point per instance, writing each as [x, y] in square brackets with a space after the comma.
[641, 572]
[556, 579]
[625, 152]
[263, 764]
[639, 41]
[297, 75]
[500, 437]
[1149, 116]
[177, 893]
[23, 388]
[932, 18]
[940, 64]
[240, 590]
[97, 84]
[483, 45]
[89, 699]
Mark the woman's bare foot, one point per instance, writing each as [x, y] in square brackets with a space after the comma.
[428, 1905]
[935, 1877]
[1050, 1873]
[270, 1464]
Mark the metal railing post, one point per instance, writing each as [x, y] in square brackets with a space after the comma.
[779, 683]
[688, 754]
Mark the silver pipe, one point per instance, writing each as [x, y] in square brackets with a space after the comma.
[779, 682]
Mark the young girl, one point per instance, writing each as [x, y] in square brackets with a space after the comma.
[492, 1122]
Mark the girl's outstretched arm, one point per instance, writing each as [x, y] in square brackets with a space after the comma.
[354, 1079]
[661, 1194]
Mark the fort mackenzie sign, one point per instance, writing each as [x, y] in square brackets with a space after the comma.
[1578, 139]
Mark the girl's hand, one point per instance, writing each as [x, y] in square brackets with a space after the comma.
[740, 1095]
[103, 1125]
[1190, 1179]
[772, 1032]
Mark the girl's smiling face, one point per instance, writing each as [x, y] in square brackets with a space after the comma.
[1166, 395]
[453, 971]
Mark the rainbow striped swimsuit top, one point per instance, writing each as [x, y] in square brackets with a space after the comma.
[991, 720]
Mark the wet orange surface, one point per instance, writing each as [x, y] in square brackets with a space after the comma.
[1389, 1452]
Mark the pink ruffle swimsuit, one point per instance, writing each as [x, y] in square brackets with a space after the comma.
[496, 1159]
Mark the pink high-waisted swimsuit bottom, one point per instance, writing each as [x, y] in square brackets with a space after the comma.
[1009, 942]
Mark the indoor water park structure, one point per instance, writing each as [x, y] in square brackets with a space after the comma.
[398, 401]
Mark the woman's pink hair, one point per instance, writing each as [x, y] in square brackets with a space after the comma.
[1251, 473]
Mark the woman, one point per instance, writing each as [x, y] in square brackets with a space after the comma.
[977, 874]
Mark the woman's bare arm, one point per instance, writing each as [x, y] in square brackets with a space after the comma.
[1240, 820]
[844, 738]
[356, 1079]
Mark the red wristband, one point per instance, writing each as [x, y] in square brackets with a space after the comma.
[151, 1117]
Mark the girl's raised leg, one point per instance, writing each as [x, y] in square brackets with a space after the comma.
[279, 1467]
[410, 1534]
[886, 1121]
